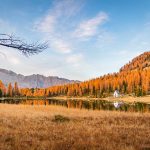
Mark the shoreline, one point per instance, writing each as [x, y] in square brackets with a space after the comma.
[145, 99]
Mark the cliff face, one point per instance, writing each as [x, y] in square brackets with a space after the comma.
[32, 81]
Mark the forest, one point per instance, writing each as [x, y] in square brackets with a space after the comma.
[133, 78]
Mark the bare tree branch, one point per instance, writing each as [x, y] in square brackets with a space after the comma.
[23, 47]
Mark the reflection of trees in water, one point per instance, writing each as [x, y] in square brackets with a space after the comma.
[93, 105]
[74, 104]
[36, 102]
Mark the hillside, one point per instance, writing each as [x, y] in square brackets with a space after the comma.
[140, 62]
[133, 78]
[31, 81]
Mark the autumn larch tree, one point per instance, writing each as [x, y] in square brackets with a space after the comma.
[10, 90]
[16, 89]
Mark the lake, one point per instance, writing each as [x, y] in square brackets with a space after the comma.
[83, 104]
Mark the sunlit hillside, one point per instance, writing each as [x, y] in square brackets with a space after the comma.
[140, 62]
[133, 79]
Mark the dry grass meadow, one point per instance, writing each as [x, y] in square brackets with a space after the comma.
[26, 127]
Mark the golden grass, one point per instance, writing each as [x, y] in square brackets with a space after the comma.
[25, 127]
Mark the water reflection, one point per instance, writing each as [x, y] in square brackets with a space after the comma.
[86, 104]
[92, 104]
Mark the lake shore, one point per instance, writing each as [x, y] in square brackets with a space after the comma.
[129, 99]
[145, 99]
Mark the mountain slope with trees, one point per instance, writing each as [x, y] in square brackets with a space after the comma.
[133, 78]
[138, 63]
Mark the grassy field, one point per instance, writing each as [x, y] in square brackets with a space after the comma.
[26, 127]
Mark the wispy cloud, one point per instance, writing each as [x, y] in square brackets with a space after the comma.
[60, 45]
[46, 24]
[75, 59]
[57, 22]
[65, 31]
[89, 28]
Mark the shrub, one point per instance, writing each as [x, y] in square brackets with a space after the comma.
[60, 118]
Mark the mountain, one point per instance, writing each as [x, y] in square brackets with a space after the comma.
[138, 63]
[32, 81]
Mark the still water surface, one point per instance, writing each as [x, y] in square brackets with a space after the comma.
[84, 104]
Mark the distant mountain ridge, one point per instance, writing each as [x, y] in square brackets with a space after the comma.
[32, 81]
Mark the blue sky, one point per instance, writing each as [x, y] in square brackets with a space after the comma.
[87, 38]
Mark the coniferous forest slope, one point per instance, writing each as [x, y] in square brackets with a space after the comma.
[133, 78]
[138, 63]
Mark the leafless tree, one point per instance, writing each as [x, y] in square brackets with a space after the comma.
[25, 48]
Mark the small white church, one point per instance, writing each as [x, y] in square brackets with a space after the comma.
[116, 93]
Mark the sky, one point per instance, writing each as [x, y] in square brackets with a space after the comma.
[86, 38]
